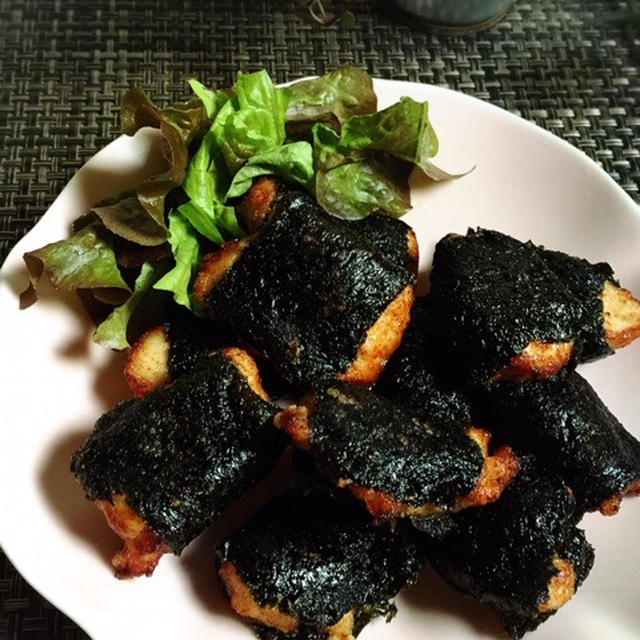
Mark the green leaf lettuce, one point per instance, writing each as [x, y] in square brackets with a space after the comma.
[332, 98]
[365, 167]
[403, 131]
[112, 332]
[247, 127]
[186, 252]
[293, 161]
[257, 124]
[139, 216]
[213, 100]
[84, 261]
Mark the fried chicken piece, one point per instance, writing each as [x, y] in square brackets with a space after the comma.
[506, 310]
[612, 314]
[522, 555]
[499, 310]
[314, 295]
[312, 565]
[393, 459]
[163, 467]
[564, 423]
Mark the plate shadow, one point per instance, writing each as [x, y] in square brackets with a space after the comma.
[66, 498]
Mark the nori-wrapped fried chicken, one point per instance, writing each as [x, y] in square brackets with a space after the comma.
[392, 458]
[563, 422]
[498, 310]
[313, 567]
[163, 467]
[507, 310]
[521, 555]
[309, 293]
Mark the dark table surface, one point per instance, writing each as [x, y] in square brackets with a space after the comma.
[64, 65]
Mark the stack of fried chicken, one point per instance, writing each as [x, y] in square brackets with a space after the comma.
[451, 429]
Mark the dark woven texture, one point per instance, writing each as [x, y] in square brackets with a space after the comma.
[65, 64]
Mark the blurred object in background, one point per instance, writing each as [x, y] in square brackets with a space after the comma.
[442, 16]
[622, 16]
[324, 12]
[450, 17]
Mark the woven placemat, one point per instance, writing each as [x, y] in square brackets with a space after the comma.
[65, 63]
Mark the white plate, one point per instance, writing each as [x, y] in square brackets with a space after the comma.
[55, 383]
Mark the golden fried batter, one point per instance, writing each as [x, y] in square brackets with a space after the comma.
[256, 203]
[295, 423]
[621, 313]
[147, 366]
[215, 265]
[381, 340]
[243, 603]
[562, 586]
[247, 366]
[413, 251]
[611, 506]
[497, 472]
[343, 629]
[142, 548]
[537, 360]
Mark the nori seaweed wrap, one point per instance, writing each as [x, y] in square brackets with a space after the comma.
[191, 337]
[182, 453]
[521, 555]
[586, 281]
[306, 289]
[312, 564]
[390, 236]
[492, 296]
[414, 376]
[392, 458]
[563, 422]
